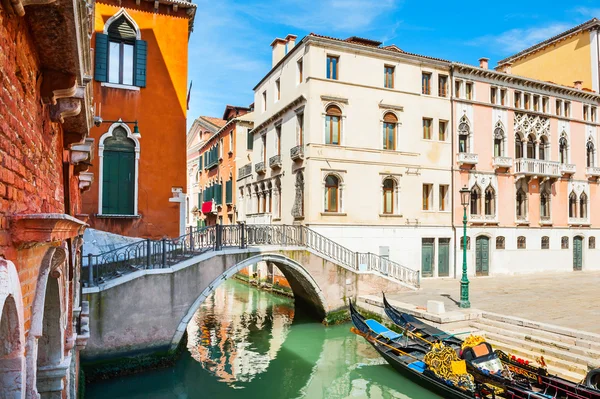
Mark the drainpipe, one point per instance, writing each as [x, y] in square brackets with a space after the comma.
[452, 185]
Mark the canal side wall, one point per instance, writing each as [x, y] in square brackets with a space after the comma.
[147, 311]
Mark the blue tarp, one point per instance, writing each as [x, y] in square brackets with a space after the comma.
[382, 330]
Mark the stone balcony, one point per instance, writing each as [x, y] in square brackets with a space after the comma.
[579, 221]
[537, 168]
[483, 219]
[545, 221]
[567, 168]
[244, 171]
[260, 168]
[465, 158]
[593, 172]
[275, 162]
[502, 162]
[297, 153]
[522, 219]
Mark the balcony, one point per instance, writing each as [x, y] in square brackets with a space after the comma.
[275, 162]
[567, 169]
[483, 219]
[522, 219]
[465, 158]
[545, 221]
[244, 171]
[592, 172]
[502, 162]
[537, 168]
[260, 168]
[579, 221]
[297, 153]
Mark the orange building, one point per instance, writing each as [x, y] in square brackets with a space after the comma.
[216, 171]
[140, 82]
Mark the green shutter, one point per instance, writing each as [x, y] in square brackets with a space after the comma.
[250, 140]
[141, 53]
[101, 54]
[118, 182]
[199, 199]
[228, 193]
[218, 194]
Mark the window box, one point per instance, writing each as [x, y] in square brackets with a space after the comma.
[275, 162]
[502, 162]
[260, 168]
[297, 153]
[465, 158]
[567, 169]
[593, 172]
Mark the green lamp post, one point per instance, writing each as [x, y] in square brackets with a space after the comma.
[465, 195]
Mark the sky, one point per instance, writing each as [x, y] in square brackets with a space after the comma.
[229, 49]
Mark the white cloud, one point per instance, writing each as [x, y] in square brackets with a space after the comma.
[515, 40]
[588, 12]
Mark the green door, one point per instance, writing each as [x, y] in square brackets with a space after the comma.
[482, 256]
[427, 257]
[444, 257]
[118, 182]
[577, 253]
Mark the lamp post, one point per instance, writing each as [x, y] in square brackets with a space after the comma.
[465, 195]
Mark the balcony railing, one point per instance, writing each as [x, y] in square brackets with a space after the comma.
[260, 168]
[275, 162]
[245, 170]
[297, 153]
[593, 172]
[465, 158]
[567, 168]
[545, 220]
[579, 221]
[536, 167]
[502, 162]
[483, 219]
[522, 219]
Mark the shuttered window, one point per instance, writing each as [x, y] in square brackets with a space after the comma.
[229, 192]
[218, 194]
[118, 174]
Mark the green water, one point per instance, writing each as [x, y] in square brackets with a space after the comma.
[246, 343]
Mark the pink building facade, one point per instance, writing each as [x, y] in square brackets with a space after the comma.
[528, 152]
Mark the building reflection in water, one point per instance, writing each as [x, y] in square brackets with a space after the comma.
[235, 334]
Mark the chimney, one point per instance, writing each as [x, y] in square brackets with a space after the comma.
[506, 67]
[578, 84]
[483, 62]
[291, 42]
[278, 50]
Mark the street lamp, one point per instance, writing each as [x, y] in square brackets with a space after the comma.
[465, 195]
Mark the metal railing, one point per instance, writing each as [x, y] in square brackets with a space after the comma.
[150, 254]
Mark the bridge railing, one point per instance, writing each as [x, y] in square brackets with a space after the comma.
[156, 254]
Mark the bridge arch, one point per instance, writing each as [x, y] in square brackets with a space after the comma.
[306, 290]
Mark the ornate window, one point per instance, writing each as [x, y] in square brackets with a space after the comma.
[390, 122]
[592, 243]
[521, 204]
[464, 132]
[518, 146]
[572, 205]
[498, 140]
[333, 125]
[545, 242]
[475, 200]
[490, 201]
[521, 242]
[545, 202]
[389, 188]
[468, 243]
[500, 242]
[563, 148]
[564, 242]
[332, 187]
[531, 146]
[590, 153]
[583, 200]
[542, 148]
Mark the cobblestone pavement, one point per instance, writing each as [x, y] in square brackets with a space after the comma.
[564, 299]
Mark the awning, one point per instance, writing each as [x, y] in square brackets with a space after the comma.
[207, 207]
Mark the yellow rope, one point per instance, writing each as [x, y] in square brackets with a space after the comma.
[445, 363]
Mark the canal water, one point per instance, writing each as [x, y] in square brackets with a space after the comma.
[247, 343]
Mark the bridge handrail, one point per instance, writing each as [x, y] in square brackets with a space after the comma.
[156, 254]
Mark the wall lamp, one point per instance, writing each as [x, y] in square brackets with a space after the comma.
[99, 121]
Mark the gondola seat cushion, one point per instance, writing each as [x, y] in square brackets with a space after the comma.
[418, 366]
[382, 330]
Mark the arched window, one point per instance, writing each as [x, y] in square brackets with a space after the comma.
[521, 204]
[531, 146]
[389, 188]
[562, 150]
[592, 243]
[333, 125]
[462, 243]
[389, 131]
[119, 174]
[332, 186]
[121, 47]
[518, 146]
[545, 205]
[498, 141]
[590, 152]
[542, 148]
[490, 201]
[572, 205]
[521, 242]
[500, 242]
[475, 200]
[583, 206]
[564, 242]
[464, 130]
[545, 242]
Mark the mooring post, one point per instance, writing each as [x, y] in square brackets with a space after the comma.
[90, 272]
[164, 252]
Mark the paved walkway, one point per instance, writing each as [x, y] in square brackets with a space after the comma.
[564, 299]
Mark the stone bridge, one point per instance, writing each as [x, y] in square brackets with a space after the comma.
[142, 296]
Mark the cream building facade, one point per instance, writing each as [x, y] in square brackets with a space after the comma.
[353, 140]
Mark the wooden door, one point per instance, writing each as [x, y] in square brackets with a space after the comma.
[444, 257]
[118, 182]
[577, 253]
[482, 256]
[427, 252]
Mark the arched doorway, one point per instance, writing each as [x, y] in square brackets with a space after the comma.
[482, 256]
[577, 253]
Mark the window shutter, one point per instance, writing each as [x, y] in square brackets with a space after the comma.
[228, 193]
[101, 54]
[141, 52]
[200, 200]
[250, 140]
[218, 194]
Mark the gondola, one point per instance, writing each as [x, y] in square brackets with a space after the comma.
[538, 376]
[408, 357]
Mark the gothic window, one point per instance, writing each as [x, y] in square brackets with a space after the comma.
[521, 204]
[545, 242]
[562, 150]
[572, 205]
[468, 243]
[498, 140]
[500, 242]
[464, 131]
[518, 146]
[545, 205]
[333, 125]
[118, 173]
[583, 206]
[521, 242]
[490, 201]
[475, 200]
[389, 188]
[531, 146]
[590, 152]
[542, 148]
[332, 186]
[564, 242]
[389, 131]
[592, 243]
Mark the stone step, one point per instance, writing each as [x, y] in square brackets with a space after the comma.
[529, 335]
[568, 370]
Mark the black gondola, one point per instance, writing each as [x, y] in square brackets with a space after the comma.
[538, 376]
